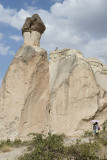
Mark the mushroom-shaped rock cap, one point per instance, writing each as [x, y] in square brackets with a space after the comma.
[33, 24]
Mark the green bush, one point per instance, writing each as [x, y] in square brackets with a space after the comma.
[104, 126]
[17, 143]
[84, 151]
[46, 148]
[103, 138]
[88, 134]
[52, 148]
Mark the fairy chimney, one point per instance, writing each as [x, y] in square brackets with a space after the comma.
[32, 30]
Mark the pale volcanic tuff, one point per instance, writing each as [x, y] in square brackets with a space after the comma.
[61, 95]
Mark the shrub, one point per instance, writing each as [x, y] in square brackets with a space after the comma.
[84, 151]
[52, 148]
[46, 148]
[17, 143]
[104, 126]
[88, 134]
[103, 138]
[6, 148]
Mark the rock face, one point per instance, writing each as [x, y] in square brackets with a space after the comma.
[76, 94]
[34, 114]
[100, 72]
[61, 95]
[24, 94]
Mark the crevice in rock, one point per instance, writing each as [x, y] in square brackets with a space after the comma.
[96, 113]
[59, 71]
[7, 91]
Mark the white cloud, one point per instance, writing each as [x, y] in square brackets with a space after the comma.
[13, 17]
[96, 48]
[4, 49]
[85, 15]
[79, 24]
[16, 37]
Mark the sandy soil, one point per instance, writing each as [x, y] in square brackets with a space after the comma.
[13, 154]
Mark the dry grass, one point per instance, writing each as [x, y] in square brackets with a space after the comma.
[6, 148]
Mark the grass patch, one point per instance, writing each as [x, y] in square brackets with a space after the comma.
[6, 148]
[9, 144]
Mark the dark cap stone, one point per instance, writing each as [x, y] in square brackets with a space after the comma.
[33, 24]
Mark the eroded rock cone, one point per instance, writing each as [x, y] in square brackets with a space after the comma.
[24, 94]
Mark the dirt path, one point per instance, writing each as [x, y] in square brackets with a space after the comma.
[69, 141]
[13, 154]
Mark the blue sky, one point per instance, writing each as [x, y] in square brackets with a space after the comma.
[7, 31]
[75, 24]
